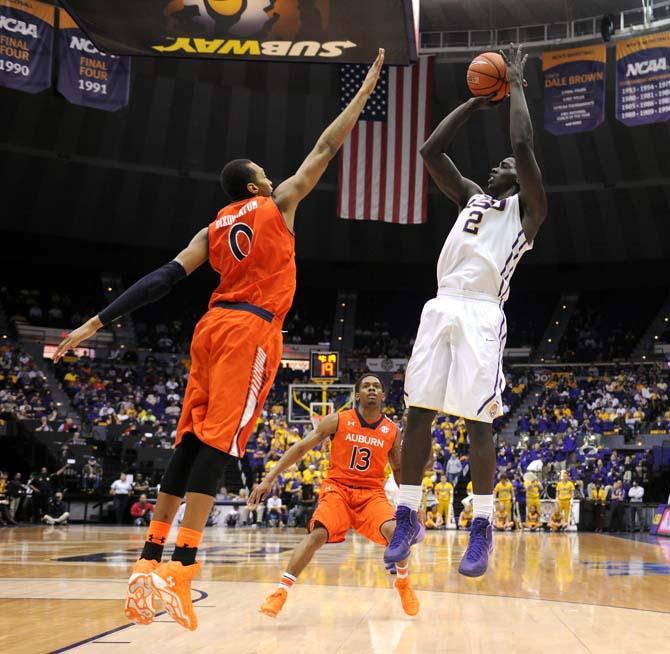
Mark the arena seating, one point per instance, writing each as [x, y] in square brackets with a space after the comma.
[53, 300]
[604, 400]
[24, 393]
[607, 324]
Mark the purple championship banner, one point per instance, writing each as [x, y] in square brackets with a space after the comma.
[643, 79]
[574, 89]
[26, 42]
[86, 76]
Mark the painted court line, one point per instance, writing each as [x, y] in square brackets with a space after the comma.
[116, 630]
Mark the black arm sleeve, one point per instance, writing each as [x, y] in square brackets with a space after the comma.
[151, 287]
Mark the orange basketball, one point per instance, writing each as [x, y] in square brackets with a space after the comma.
[487, 74]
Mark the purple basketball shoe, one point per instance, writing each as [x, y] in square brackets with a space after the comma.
[476, 557]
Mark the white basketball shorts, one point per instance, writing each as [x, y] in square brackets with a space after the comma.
[456, 363]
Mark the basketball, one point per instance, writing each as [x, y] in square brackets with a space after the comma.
[487, 74]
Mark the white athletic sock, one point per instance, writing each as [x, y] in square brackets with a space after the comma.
[482, 506]
[287, 581]
[410, 496]
[402, 572]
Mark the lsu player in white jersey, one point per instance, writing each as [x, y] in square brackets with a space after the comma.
[456, 363]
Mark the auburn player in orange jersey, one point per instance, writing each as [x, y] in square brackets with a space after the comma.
[235, 351]
[352, 495]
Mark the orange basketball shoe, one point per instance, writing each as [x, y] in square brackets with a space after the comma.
[274, 603]
[140, 602]
[172, 585]
[408, 599]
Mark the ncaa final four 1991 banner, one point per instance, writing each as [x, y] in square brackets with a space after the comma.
[574, 89]
[26, 40]
[643, 79]
[339, 31]
[86, 76]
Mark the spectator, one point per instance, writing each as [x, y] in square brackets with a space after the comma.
[120, 489]
[599, 499]
[454, 469]
[57, 513]
[637, 517]
[617, 499]
[40, 485]
[142, 511]
[465, 519]
[44, 425]
[16, 491]
[502, 519]
[532, 518]
[223, 495]
[5, 518]
[276, 511]
[140, 485]
[68, 425]
[556, 521]
[91, 475]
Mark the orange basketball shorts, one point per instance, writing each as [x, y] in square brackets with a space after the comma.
[234, 359]
[342, 508]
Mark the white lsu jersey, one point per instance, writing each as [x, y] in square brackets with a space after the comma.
[483, 248]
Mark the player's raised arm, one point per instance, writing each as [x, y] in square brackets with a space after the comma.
[532, 196]
[442, 169]
[326, 428]
[150, 288]
[291, 191]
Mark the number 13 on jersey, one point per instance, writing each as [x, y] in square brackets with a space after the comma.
[360, 458]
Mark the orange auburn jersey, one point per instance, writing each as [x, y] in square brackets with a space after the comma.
[252, 249]
[359, 450]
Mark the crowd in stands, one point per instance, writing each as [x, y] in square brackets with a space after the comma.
[136, 397]
[605, 401]
[24, 392]
[40, 304]
[599, 331]
[142, 402]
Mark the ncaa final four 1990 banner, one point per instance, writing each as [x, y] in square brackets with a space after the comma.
[26, 40]
[340, 31]
[574, 89]
[86, 76]
[643, 79]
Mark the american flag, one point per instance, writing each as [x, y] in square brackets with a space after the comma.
[382, 176]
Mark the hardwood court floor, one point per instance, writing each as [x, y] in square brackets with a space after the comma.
[61, 589]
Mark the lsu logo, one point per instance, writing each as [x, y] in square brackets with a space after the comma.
[18, 27]
[493, 410]
[646, 67]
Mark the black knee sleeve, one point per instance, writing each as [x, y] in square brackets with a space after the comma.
[179, 468]
[206, 471]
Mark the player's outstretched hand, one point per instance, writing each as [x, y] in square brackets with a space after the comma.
[259, 493]
[515, 61]
[372, 77]
[72, 340]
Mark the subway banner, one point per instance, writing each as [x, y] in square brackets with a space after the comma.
[340, 31]
[26, 41]
[86, 76]
[574, 89]
[643, 79]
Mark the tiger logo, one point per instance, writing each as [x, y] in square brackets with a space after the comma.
[281, 19]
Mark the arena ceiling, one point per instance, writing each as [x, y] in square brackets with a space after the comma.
[488, 14]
